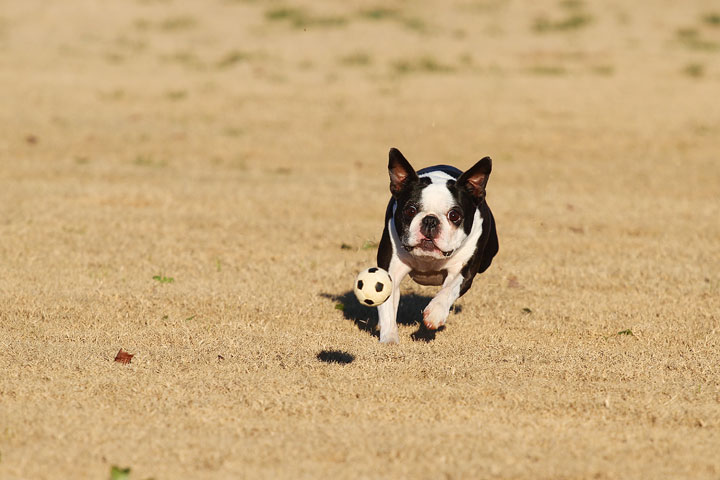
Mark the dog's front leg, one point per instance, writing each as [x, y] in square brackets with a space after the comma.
[437, 311]
[387, 312]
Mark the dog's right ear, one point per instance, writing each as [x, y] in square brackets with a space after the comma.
[401, 172]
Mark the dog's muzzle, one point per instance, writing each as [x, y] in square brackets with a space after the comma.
[409, 249]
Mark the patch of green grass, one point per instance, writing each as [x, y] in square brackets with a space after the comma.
[572, 22]
[705, 129]
[163, 279]
[425, 64]
[695, 70]
[369, 245]
[687, 33]
[176, 95]
[690, 38]
[414, 23]
[626, 333]
[605, 70]
[283, 13]
[177, 23]
[571, 4]
[117, 473]
[232, 58]
[356, 59]
[712, 19]
[329, 21]
[239, 162]
[113, 57]
[378, 13]
[340, 306]
[169, 24]
[484, 6]
[384, 13]
[306, 64]
[148, 161]
[548, 70]
[143, 160]
[300, 18]
[185, 58]
[232, 132]
[117, 94]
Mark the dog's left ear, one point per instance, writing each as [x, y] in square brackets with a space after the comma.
[475, 179]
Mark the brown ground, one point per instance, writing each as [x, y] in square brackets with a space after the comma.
[236, 146]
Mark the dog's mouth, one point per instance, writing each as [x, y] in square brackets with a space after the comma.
[427, 245]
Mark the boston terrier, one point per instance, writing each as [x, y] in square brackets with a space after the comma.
[439, 230]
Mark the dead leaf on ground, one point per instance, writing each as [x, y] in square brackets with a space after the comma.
[513, 282]
[123, 357]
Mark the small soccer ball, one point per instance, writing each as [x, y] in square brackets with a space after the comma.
[373, 286]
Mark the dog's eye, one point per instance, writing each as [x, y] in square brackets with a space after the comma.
[410, 210]
[454, 215]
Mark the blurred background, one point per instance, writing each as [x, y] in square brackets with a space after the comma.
[198, 183]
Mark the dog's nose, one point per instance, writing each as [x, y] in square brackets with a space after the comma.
[429, 226]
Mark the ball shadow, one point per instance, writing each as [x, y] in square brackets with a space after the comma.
[366, 318]
[335, 356]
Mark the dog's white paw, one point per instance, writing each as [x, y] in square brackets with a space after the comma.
[389, 337]
[434, 316]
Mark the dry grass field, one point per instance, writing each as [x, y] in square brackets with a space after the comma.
[198, 183]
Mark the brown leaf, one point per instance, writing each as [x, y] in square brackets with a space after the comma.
[123, 357]
[577, 229]
[513, 282]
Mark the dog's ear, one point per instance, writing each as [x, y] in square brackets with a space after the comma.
[475, 179]
[401, 172]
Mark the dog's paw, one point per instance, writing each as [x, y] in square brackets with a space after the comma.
[389, 337]
[434, 316]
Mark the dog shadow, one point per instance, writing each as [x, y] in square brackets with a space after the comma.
[409, 313]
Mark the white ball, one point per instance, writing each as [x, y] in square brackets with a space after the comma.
[373, 286]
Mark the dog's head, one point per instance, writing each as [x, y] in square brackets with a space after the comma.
[435, 208]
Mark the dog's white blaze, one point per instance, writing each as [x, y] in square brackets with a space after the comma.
[437, 177]
[436, 200]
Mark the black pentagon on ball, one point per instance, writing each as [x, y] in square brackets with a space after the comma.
[368, 301]
[379, 287]
[360, 284]
[373, 270]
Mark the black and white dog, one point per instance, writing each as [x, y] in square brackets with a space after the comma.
[438, 229]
